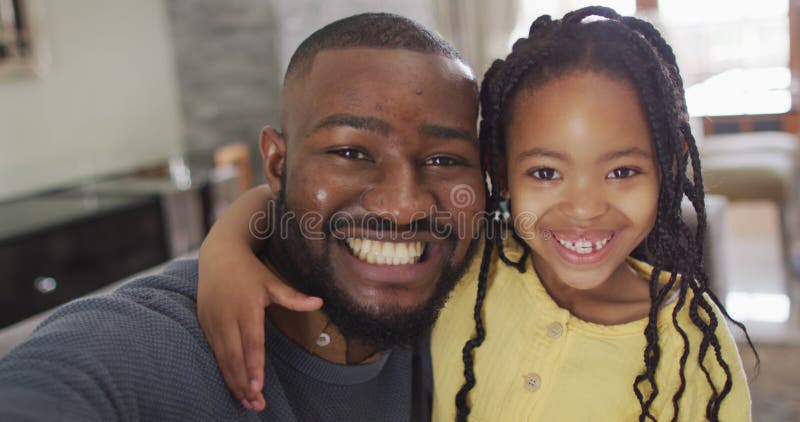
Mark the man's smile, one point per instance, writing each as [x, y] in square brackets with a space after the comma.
[385, 253]
[401, 264]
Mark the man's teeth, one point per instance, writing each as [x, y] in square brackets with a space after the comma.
[584, 247]
[385, 253]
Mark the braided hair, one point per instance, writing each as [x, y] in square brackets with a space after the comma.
[629, 49]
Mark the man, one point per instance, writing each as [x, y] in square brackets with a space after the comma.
[377, 131]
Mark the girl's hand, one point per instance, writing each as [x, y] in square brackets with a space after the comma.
[231, 296]
[233, 289]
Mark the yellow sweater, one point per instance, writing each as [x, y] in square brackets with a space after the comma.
[540, 363]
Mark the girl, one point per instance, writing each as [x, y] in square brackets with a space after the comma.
[585, 130]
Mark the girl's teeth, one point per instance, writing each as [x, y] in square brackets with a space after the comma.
[385, 253]
[584, 247]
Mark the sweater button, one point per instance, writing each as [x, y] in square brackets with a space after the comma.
[323, 340]
[532, 382]
[554, 330]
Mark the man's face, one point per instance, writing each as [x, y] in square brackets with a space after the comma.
[381, 159]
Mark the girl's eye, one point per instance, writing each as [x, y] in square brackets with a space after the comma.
[622, 173]
[350, 154]
[442, 161]
[545, 174]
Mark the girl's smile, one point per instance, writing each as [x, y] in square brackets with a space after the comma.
[582, 247]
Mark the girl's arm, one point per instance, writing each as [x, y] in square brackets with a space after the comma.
[233, 290]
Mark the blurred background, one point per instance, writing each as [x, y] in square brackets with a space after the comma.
[127, 126]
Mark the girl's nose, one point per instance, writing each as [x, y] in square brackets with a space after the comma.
[585, 201]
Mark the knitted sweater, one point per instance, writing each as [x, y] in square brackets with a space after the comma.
[139, 354]
[539, 362]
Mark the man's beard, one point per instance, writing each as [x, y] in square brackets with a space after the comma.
[382, 327]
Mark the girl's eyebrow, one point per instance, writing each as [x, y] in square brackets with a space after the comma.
[542, 152]
[628, 152]
[610, 156]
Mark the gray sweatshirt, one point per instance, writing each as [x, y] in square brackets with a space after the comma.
[139, 354]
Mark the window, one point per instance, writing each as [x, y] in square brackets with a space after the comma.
[733, 54]
[18, 48]
[529, 10]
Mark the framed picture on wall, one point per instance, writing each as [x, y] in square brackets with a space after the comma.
[22, 49]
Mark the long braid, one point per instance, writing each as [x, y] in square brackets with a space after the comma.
[681, 301]
[651, 354]
[489, 166]
[702, 351]
[632, 50]
[462, 405]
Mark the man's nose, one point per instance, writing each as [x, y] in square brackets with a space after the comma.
[584, 201]
[400, 194]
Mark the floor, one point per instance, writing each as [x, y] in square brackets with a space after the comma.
[775, 390]
[766, 297]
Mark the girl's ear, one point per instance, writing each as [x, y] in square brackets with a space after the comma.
[684, 146]
[273, 153]
[502, 168]
[502, 174]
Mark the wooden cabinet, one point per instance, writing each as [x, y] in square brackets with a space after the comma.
[56, 249]
[786, 122]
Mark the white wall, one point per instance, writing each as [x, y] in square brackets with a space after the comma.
[300, 18]
[108, 104]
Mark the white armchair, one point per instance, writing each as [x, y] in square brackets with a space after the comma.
[759, 165]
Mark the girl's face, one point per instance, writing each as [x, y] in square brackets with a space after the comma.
[581, 166]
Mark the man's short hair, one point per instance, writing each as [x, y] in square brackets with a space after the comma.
[371, 30]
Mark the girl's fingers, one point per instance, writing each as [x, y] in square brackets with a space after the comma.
[231, 361]
[252, 331]
[284, 295]
[217, 347]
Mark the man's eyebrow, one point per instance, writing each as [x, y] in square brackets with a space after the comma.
[446, 132]
[628, 152]
[542, 152]
[356, 122]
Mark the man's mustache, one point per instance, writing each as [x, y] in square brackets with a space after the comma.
[385, 225]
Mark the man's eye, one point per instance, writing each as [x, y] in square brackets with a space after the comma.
[442, 161]
[350, 154]
[545, 174]
[622, 173]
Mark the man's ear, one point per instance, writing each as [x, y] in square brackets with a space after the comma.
[273, 153]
